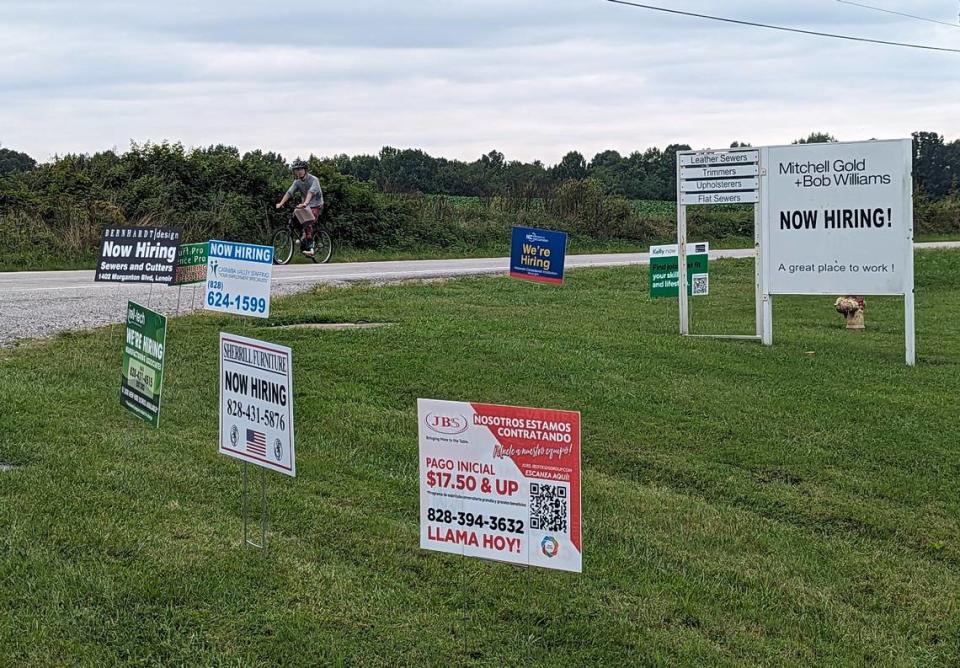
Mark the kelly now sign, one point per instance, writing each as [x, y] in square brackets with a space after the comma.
[664, 270]
[501, 483]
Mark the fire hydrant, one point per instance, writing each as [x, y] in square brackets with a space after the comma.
[852, 309]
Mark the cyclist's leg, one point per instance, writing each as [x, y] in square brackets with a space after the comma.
[306, 235]
[308, 227]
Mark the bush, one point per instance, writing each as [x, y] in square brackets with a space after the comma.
[62, 207]
[940, 216]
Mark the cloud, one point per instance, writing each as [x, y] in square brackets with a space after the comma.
[459, 78]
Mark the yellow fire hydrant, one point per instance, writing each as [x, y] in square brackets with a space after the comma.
[852, 309]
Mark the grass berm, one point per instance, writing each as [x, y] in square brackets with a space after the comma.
[743, 505]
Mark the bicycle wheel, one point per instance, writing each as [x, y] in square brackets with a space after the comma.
[282, 246]
[322, 244]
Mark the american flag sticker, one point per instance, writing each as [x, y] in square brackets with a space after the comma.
[256, 443]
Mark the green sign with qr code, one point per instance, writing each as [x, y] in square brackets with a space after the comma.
[141, 378]
[664, 270]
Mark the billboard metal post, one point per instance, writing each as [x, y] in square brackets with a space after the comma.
[909, 324]
[764, 301]
[683, 298]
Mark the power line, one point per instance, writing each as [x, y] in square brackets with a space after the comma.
[785, 29]
[890, 11]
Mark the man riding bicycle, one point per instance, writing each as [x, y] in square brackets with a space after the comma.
[311, 202]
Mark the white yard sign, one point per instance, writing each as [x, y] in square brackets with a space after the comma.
[256, 403]
[238, 279]
[840, 218]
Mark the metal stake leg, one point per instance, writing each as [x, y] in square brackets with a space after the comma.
[246, 510]
[263, 508]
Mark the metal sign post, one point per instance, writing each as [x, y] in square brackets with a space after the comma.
[762, 262]
[682, 263]
[909, 293]
[247, 540]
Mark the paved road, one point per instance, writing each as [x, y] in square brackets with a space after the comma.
[41, 303]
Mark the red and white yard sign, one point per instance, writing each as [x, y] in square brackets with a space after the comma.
[500, 482]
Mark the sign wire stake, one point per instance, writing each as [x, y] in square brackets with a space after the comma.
[247, 540]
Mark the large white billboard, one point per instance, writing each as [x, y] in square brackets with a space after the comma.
[839, 218]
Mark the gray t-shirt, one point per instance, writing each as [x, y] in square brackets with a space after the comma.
[311, 184]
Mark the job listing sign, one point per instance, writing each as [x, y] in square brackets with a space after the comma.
[537, 255]
[238, 279]
[840, 218]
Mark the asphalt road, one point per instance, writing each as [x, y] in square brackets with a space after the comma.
[41, 303]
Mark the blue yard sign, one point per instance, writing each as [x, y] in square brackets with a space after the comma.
[537, 255]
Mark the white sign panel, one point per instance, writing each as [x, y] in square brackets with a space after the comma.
[501, 483]
[238, 279]
[720, 185]
[256, 403]
[719, 172]
[720, 198]
[839, 218]
[701, 158]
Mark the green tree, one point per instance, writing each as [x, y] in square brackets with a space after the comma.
[816, 138]
[610, 169]
[572, 166]
[14, 161]
[936, 165]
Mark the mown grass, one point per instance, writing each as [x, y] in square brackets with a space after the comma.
[794, 505]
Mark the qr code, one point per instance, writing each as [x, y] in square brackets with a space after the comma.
[548, 507]
[701, 284]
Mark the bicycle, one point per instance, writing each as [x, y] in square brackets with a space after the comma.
[285, 238]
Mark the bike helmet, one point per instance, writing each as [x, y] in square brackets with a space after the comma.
[298, 164]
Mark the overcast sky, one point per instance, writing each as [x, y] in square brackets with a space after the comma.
[531, 78]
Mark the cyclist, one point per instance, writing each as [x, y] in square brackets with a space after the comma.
[311, 202]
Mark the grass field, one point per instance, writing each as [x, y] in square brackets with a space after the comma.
[742, 506]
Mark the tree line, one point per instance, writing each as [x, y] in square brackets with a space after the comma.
[398, 199]
[646, 175]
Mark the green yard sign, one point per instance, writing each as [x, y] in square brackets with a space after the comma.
[664, 270]
[141, 380]
[191, 264]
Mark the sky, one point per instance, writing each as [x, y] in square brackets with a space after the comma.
[459, 78]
